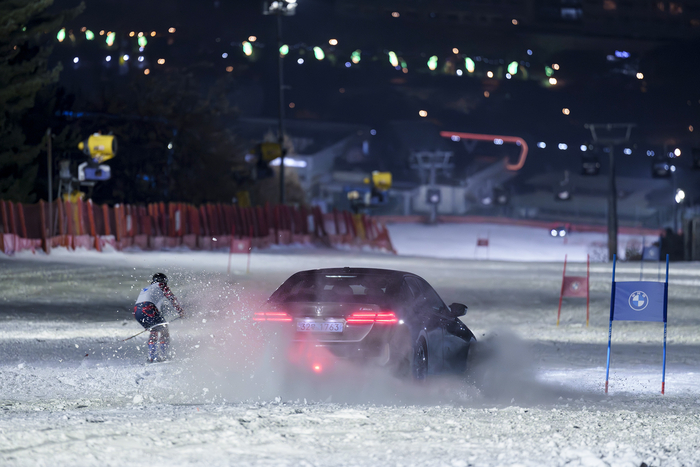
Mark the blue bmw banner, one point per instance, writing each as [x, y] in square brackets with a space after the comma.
[640, 301]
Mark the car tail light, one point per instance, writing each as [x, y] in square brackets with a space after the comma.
[371, 317]
[279, 316]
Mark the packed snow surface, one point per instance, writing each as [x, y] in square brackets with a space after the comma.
[73, 392]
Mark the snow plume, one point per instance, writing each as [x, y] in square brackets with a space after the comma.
[504, 367]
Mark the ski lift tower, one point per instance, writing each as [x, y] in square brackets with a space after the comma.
[610, 141]
[428, 163]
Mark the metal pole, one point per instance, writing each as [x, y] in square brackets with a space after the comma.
[50, 174]
[280, 135]
[612, 208]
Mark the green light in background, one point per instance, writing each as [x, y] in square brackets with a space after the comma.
[89, 35]
[142, 41]
[318, 53]
[110, 38]
[548, 71]
[393, 59]
[355, 57]
[61, 35]
[513, 68]
[284, 50]
[247, 48]
[433, 62]
[469, 64]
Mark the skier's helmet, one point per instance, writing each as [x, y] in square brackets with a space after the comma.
[160, 277]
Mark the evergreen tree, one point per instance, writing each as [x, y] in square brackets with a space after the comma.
[27, 31]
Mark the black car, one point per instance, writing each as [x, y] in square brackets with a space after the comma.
[389, 318]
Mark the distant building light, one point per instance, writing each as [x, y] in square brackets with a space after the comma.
[650, 153]
[141, 58]
[292, 105]
[489, 74]
[146, 71]
[348, 64]
[373, 132]
[229, 69]
[76, 60]
[622, 54]
[563, 146]
[171, 30]
[487, 94]
[423, 113]
[584, 148]
[161, 61]
[555, 66]
[529, 51]
[677, 152]
[541, 145]
[459, 73]
[333, 41]
[125, 57]
[640, 75]
[508, 76]
[224, 55]
[300, 61]
[627, 151]
[690, 128]
[680, 196]
[514, 21]
[455, 50]
[395, 14]
[455, 138]
[132, 34]
[153, 34]
[565, 111]
[673, 168]
[552, 81]
[252, 38]
[289, 162]
[140, 34]
[498, 141]
[108, 58]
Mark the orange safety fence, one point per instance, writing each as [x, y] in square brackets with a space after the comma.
[159, 226]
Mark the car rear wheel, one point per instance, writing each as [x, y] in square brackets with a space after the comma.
[420, 360]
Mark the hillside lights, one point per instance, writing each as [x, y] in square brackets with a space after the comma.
[319, 54]
[513, 68]
[89, 35]
[142, 41]
[110, 38]
[680, 196]
[284, 50]
[61, 35]
[393, 59]
[433, 62]
[469, 65]
[355, 57]
[247, 48]
[552, 81]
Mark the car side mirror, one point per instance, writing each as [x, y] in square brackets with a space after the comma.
[458, 309]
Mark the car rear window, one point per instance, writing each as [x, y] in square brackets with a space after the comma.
[356, 288]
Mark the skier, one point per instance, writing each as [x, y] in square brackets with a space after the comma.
[147, 311]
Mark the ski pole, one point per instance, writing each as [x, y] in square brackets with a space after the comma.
[148, 329]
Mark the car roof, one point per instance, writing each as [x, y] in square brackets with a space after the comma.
[390, 273]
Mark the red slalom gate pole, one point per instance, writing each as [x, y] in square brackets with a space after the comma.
[561, 294]
[250, 248]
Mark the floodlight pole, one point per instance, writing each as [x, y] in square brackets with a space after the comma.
[612, 185]
[280, 8]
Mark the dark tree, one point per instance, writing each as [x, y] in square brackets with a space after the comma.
[27, 33]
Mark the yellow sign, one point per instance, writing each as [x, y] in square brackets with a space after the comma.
[270, 151]
[99, 147]
[381, 180]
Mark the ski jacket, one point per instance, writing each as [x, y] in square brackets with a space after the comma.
[156, 293]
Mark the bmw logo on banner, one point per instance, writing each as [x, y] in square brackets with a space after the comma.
[639, 301]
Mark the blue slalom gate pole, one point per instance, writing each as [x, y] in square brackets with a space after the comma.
[612, 305]
[663, 371]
